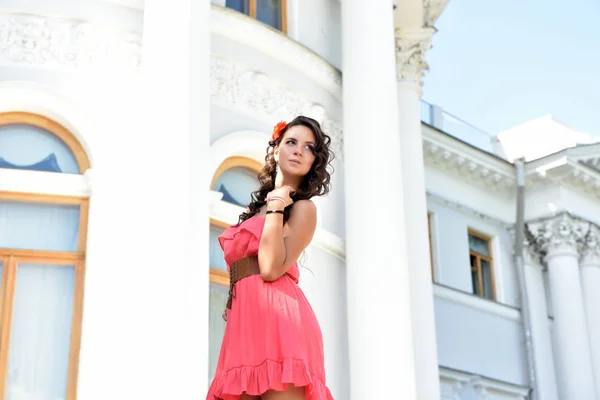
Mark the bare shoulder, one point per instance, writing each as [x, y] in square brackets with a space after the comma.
[303, 220]
[304, 209]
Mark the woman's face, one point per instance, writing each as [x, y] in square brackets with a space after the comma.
[295, 153]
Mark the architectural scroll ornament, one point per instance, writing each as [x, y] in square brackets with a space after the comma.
[590, 254]
[432, 10]
[411, 49]
[55, 42]
[561, 233]
[254, 92]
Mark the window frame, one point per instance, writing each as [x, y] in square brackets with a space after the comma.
[283, 15]
[478, 257]
[11, 258]
[219, 276]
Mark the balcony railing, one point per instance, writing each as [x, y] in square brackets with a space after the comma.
[436, 117]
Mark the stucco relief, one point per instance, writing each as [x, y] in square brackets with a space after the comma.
[451, 160]
[590, 253]
[432, 9]
[562, 233]
[55, 42]
[411, 51]
[253, 91]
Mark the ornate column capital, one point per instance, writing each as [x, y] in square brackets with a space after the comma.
[411, 49]
[590, 252]
[559, 235]
[432, 10]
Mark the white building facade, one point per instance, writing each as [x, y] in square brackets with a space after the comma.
[130, 134]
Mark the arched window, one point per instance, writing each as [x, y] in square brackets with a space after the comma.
[42, 261]
[270, 12]
[235, 179]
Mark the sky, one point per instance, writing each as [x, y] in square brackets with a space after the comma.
[497, 64]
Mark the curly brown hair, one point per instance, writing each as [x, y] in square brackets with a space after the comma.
[317, 182]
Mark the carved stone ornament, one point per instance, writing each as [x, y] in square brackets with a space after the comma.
[590, 254]
[559, 234]
[432, 10]
[55, 42]
[452, 160]
[411, 49]
[254, 92]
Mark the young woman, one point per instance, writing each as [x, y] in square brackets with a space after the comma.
[273, 348]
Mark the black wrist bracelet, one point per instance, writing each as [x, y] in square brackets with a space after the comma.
[275, 212]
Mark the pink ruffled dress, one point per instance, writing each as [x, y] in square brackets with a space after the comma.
[272, 337]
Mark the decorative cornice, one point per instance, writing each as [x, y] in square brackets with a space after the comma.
[453, 382]
[58, 43]
[474, 166]
[256, 93]
[248, 31]
[411, 49]
[558, 235]
[590, 253]
[432, 9]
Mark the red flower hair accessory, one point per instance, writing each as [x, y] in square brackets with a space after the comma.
[277, 129]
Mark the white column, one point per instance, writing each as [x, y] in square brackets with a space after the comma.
[590, 282]
[559, 239]
[410, 57]
[544, 373]
[145, 333]
[379, 324]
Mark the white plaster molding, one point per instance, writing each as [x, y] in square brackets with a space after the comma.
[259, 95]
[53, 42]
[466, 210]
[454, 382]
[252, 33]
[48, 102]
[432, 9]
[48, 183]
[558, 235]
[590, 253]
[476, 302]
[470, 164]
[134, 4]
[411, 50]
[249, 144]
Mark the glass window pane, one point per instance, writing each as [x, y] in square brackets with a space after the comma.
[269, 12]
[29, 147]
[36, 226]
[236, 184]
[40, 337]
[218, 299]
[217, 259]
[479, 245]
[238, 5]
[486, 274]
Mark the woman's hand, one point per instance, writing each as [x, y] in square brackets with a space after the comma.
[285, 193]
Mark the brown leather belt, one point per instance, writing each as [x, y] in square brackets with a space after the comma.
[239, 270]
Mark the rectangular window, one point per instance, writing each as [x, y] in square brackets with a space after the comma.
[42, 265]
[270, 12]
[482, 265]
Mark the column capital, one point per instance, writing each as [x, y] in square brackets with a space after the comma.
[590, 251]
[559, 235]
[432, 10]
[411, 49]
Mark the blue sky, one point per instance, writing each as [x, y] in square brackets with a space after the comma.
[497, 64]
